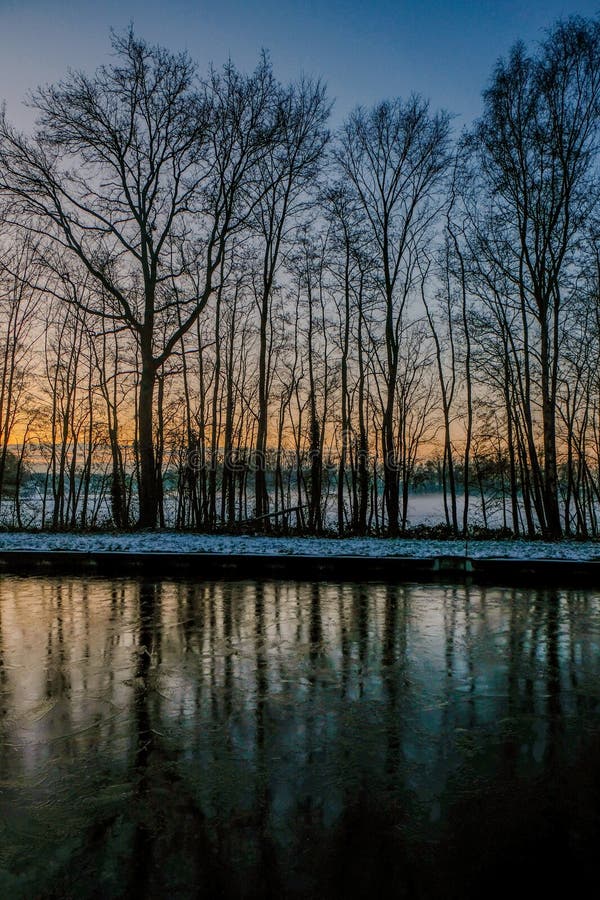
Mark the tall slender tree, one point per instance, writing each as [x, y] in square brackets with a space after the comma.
[395, 157]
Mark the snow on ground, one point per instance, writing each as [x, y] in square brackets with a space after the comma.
[172, 542]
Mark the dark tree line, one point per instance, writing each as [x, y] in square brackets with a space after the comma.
[216, 311]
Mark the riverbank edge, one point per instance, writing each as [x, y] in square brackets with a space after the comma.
[447, 568]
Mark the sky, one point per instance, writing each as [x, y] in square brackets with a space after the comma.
[364, 51]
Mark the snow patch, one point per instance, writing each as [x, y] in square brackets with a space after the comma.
[176, 542]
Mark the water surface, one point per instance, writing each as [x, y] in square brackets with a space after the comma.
[279, 739]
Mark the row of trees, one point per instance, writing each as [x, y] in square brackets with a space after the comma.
[216, 311]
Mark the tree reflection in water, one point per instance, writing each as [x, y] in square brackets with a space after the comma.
[279, 739]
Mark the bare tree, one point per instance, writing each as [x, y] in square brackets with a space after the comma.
[394, 157]
[143, 178]
[18, 332]
[288, 173]
[535, 147]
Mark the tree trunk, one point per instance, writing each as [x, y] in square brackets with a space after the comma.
[148, 493]
[551, 504]
[260, 478]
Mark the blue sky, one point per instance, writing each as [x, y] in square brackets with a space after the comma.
[364, 51]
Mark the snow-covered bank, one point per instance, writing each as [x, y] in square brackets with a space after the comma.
[171, 542]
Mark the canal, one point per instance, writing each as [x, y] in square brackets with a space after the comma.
[288, 739]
